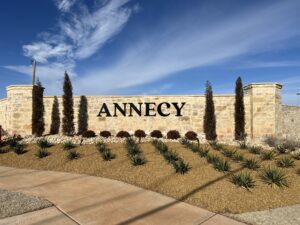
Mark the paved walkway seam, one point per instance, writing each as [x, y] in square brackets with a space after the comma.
[66, 214]
[207, 219]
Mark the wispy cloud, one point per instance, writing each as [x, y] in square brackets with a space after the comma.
[184, 44]
[269, 64]
[64, 5]
[82, 32]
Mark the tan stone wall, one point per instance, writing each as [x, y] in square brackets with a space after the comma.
[291, 121]
[262, 108]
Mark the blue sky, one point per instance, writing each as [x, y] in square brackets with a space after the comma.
[140, 47]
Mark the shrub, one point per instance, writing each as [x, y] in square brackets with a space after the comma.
[68, 145]
[251, 164]
[281, 149]
[156, 134]
[180, 166]
[43, 143]
[107, 155]
[12, 142]
[255, 150]
[290, 144]
[105, 134]
[73, 155]
[191, 135]
[173, 134]
[285, 162]
[139, 134]
[137, 160]
[41, 153]
[215, 145]
[123, 134]
[267, 155]
[273, 176]
[88, 134]
[237, 157]
[209, 124]
[296, 155]
[19, 149]
[222, 165]
[212, 158]
[243, 179]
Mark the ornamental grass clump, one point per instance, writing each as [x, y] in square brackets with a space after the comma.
[285, 162]
[229, 152]
[251, 164]
[267, 155]
[68, 145]
[255, 150]
[274, 176]
[243, 179]
[73, 155]
[42, 153]
[19, 149]
[43, 143]
[134, 152]
[212, 158]
[203, 152]
[170, 156]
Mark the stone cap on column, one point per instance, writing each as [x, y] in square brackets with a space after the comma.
[263, 84]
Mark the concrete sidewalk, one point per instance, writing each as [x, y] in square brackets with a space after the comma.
[82, 199]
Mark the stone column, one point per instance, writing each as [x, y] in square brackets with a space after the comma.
[265, 109]
[19, 104]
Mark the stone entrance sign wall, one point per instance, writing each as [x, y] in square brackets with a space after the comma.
[264, 113]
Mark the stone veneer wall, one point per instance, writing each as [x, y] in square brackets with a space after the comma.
[262, 107]
[291, 121]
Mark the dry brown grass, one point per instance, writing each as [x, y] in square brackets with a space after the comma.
[202, 186]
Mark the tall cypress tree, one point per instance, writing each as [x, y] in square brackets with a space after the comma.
[38, 124]
[68, 111]
[55, 118]
[82, 115]
[239, 113]
[209, 125]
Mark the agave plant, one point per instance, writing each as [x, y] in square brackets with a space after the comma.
[73, 155]
[238, 157]
[274, 176]
[243, 179]
[281, 149]
[215, 145]
[222, 165]
[212, 158]
[267, 155]
[101, 146]
[19, 149]
[42, 153]
[43, 143]
[68, 145]
[137, 160]
[229, 153]
[251, 164]
[285, 162]
[171, 156]
[255, 149]
[180, 166]
[107, 155]
[203, 152]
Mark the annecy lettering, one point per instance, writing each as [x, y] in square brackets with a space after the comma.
[149, 108]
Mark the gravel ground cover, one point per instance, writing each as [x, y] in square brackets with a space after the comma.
[202, 186]
[281, 216]
[15, 203]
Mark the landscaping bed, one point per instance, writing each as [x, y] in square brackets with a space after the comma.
[202, 184]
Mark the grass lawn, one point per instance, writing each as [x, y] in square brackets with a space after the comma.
[202, 185]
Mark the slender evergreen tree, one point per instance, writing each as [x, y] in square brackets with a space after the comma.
[68, 111]
[55, 118]
[239, 113]
[209, 125]
[38, 124]
[83, 115]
